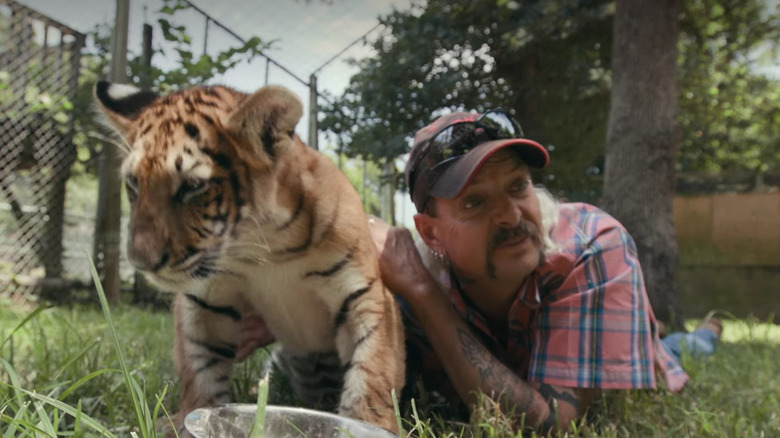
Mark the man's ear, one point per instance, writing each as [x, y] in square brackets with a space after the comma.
[264, 117]
[428, 227]
[122, 103]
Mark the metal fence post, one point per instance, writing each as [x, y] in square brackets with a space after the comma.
[313, 112]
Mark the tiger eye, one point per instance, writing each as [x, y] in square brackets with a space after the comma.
[192, 130]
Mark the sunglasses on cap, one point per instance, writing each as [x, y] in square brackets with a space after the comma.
[459, 138]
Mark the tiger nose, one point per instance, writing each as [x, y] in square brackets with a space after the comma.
[147, 250]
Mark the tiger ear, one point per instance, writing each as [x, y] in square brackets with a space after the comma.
[264, 116]
[122, 103]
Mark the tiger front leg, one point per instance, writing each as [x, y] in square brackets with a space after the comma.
[204, 351]
[369, 339]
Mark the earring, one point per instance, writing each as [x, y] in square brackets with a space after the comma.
[438, 256]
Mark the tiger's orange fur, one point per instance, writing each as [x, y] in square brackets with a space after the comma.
[231, 210]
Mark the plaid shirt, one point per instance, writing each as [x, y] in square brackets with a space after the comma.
[582, 319]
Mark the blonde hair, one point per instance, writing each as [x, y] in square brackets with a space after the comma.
[550, 216]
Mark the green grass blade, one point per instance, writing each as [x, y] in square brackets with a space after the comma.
[70, 410]
[11, 432]
[32, 315]
[159, 405]
[258, 428]
[44, 421]
[144, 407]
[12, 375]
[77, 431]
[129, 381]
[84, 380]
[26, 426]
[397, 413]
[73, 358]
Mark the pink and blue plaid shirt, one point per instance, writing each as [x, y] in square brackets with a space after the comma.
[583, 319]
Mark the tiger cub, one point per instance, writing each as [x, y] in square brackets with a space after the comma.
[232, 210]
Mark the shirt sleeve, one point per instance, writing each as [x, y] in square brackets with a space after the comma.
[595, 327]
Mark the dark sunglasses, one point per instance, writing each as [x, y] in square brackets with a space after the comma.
[459, 138]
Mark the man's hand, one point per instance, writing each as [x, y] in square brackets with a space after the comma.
[254, 334]
[403, 271]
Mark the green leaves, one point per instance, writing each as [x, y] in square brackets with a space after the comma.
[174, 34]
[727, 108]
[192, 69]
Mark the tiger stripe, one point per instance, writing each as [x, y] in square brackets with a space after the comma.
[341, 316]
[228, 311]
[332, 270]
[228, 352]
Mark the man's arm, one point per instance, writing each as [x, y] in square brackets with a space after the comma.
[469, 365]
[472, 368]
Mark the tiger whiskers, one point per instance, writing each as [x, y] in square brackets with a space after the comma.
[122, 145]
[118, 141]
[246, 252]
[260, 232]
[244, 257]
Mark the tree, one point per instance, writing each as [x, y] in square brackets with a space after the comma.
[643, 139]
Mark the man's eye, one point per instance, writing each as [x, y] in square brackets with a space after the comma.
[472, 203]
[519, 186]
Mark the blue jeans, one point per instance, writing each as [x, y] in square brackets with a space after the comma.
[701, 342]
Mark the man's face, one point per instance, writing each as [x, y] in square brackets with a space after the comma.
[493, 230]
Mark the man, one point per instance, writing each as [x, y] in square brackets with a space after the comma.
[536, 304]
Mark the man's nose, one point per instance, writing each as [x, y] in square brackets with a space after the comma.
[507, 213]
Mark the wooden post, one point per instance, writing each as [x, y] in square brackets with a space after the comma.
[109, 213]
[146, 57]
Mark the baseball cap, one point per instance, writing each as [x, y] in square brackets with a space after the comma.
[448, 153]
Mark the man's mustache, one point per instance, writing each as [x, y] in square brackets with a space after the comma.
[523, 229]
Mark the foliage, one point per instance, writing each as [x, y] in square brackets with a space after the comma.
[548, 62]
[728, 112]
[190, 69]
[53, 349]
[365, 177]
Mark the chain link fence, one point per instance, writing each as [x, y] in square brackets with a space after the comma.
[39, 69]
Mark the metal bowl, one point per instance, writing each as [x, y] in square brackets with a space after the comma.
[235, 420]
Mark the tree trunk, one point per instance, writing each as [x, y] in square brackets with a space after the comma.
[642, 141]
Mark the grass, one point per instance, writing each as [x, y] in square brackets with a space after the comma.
[61, 374]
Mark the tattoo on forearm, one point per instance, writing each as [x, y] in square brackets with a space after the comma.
[553, 398]
[552, 420]
[475, 354]
[549, 393]
[494, 374]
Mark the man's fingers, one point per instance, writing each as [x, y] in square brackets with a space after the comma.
[253, 334]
